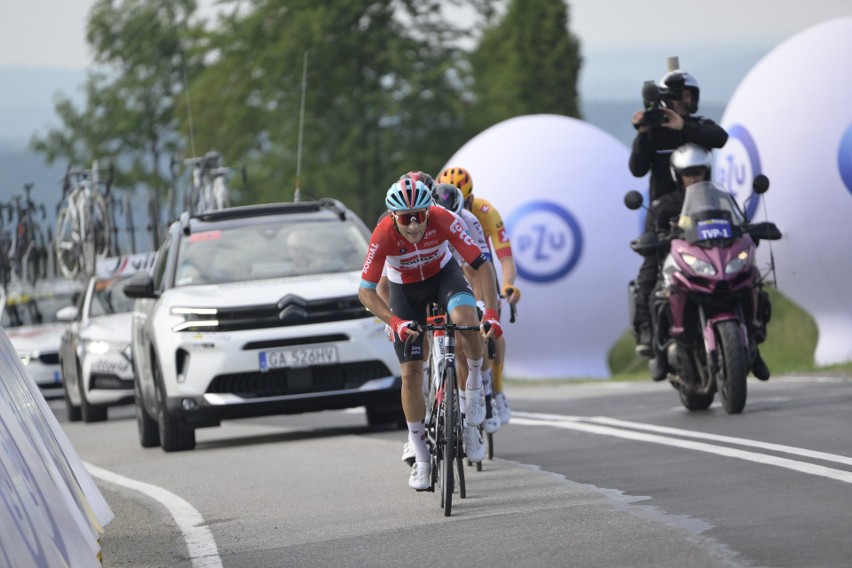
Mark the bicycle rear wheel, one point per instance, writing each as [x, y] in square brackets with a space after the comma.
[449, 440]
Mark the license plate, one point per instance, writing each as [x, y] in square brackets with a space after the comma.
[303, 357]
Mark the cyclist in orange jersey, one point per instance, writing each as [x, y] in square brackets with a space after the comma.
[498, 237]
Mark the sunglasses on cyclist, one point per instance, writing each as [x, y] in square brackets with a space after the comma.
[410, 217]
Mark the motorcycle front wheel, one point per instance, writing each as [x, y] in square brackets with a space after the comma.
[733, 367]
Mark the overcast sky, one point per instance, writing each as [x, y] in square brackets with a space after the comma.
[624, 42]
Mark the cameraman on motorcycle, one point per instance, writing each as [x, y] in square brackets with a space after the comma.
[690, 164]
[659, 132]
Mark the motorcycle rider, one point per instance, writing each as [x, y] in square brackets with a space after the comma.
[690, 164]
[651, 151]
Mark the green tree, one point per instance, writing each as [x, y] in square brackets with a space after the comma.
[129, 114]
[382, 96]
[528, 63]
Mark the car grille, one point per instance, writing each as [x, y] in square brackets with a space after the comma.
[289, 311]
[49, 358]
[302, 380]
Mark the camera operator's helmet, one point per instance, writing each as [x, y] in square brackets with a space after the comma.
[407, 194]
[671, 78]
[417, 175]
[690, 156]
[460, 178]
[449, 197]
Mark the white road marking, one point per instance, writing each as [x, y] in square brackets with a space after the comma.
[577, 423]
[199, 540]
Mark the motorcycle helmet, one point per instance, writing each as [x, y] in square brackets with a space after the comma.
[690, 156]
[674, 80]
[417, 175]
[407, 194]
[449, 197]
[460, 178]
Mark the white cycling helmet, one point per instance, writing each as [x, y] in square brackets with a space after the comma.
[407, 194]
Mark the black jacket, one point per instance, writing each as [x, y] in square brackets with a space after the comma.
[652, 150]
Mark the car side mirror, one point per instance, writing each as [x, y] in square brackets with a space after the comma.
[67, 314]
[633, 200]
[140, 286]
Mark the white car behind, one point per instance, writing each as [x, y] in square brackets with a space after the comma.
[97, 370]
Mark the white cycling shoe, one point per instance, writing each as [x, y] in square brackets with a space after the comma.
[408, 454]
[421, 476]
[503, 409]
[474, 447]
[474, 406]
[491, 425]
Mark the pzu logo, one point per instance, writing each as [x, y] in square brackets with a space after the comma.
[737, 164]
[844, 158]
[547, 241]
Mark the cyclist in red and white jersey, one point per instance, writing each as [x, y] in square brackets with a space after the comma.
[413, 242]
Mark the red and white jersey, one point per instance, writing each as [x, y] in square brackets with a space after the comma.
[414, 262]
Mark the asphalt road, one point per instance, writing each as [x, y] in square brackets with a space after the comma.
[609, 474]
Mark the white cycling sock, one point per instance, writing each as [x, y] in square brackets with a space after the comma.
[474, 378]
[417, 439]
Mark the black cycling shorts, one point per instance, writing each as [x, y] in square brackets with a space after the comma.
[448, 288]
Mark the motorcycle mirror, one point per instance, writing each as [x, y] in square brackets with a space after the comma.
[633, 200]
[760, 184]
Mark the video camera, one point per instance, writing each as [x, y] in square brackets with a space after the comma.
[655, 99]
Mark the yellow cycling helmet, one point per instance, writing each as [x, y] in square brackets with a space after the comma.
[458, 177]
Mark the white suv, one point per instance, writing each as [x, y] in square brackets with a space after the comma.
[252, 311]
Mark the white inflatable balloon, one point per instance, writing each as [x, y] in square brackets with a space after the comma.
[559, 185]
[791, 119]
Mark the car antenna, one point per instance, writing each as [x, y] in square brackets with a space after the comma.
[298, 191]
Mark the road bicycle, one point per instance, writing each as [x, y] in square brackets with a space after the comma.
[27, 253]
[443, 412]
[82, 221]
[209, 188]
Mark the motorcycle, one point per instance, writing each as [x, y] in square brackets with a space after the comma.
[708, 310]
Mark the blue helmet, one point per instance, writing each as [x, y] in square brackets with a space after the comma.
[408, 194]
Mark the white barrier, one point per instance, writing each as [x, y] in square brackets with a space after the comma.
[51, 512]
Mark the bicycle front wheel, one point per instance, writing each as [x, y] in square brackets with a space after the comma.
[67, 243]
[450, 424]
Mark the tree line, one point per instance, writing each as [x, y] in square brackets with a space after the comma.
[391, 86]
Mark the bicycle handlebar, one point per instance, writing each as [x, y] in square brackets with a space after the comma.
[512, 309]
[452, 328]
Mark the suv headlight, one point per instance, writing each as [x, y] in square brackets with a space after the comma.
[697, 265]
[27, 356]
[96, 347]
[196, 319]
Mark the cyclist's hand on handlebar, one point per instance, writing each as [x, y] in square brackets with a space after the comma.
[405, 328]
[512, 293]
[493, 329]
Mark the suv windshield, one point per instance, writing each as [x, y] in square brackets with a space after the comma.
[271, 249]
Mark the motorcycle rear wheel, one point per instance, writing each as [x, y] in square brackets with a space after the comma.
[733, 367]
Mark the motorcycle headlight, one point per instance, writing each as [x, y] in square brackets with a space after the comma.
[669, 267]
[737, 264]
[697, 265]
